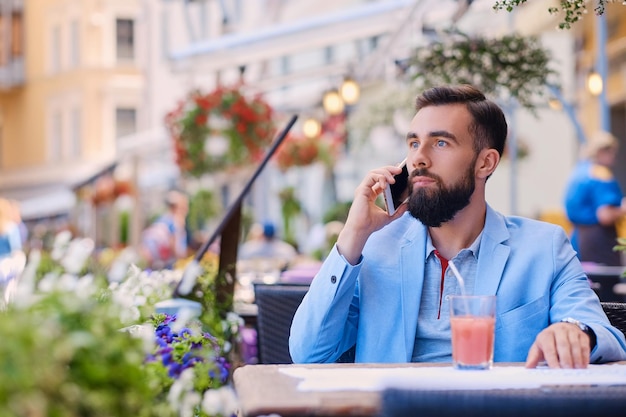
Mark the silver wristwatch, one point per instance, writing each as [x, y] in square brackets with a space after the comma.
[582, 326]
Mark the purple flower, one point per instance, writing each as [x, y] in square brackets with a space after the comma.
[183, 350]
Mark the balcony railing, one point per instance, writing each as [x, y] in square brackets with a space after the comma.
[12, 74]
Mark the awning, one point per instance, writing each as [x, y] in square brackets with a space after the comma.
[43, 199]
[42, 202]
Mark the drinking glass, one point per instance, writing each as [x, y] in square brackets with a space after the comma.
[472, 321]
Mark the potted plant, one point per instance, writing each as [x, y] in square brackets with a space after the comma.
[85, 341]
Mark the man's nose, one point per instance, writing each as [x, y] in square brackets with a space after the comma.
[419, 159]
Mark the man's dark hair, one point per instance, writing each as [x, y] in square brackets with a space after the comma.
[489, 127]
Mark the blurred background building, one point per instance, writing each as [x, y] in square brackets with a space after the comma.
[85, 86]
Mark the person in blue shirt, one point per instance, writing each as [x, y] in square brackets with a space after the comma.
[10, 239]
[383, 290]
[165, 240]
[594, 202]
[268, 246]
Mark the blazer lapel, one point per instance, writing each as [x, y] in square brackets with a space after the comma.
[412, 267]
[493, 254]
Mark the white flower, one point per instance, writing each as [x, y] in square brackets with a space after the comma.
[222, 401]
[217, 122]
[188, 404]
[144, 332]
[183, 384]
[61, 241]
[85, 286]
[130, 315]
[77, 254]
[183, 317]
[216, 145]
[48, 282]
[67, 282]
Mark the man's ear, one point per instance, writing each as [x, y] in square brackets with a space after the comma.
[488, 160]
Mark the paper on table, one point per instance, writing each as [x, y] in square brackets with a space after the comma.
[448, 378]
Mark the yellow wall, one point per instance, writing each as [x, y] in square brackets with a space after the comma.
[25, 109]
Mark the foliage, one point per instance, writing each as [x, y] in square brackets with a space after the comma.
[338, 212]
[291, 207]
[219, 129]
[124, 219]
[573, 9]
[381, 107]
[86, 344]
[202, 207]
[299, 150]
[621, 246]
[512, 66]
[56, 361]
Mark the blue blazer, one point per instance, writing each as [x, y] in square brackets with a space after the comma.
[530, 266]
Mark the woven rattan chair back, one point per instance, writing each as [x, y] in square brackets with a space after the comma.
[616, 312]
[277, 305]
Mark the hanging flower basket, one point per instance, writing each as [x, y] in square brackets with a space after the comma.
[221, 129]
[570, 11]
[511, 66]
[297, 150]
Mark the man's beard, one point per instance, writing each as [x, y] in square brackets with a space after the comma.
[438, 205]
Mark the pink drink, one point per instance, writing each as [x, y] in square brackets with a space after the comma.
[472, 341]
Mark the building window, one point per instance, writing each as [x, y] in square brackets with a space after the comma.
[74, 44]
[56, 136]
[1, 141]
[55, 49]
[76, 133]
[4, 41]
[11, 37]
[125, 121]
[17, 34]
[125, 39]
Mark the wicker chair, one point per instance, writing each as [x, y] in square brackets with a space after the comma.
[616, 312]
[276, 306]
[277, 303]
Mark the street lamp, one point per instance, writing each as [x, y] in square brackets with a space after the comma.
[332, 102]
[311, 128]
[595, 84]
[350, 91]
[335, 100]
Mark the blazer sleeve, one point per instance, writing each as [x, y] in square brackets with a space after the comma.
[325, 324]
[573, 297]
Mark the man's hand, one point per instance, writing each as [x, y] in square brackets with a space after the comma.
[560, 345]
[365, 217]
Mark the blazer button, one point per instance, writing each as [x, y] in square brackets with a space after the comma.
[333, 279]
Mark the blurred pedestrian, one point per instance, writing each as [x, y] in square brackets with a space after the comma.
[594, 202]
[165, 240]
[10, 240]
[268, 246]
[16, 216]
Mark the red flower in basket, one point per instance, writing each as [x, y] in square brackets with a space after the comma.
[220, 129]
[298, 150]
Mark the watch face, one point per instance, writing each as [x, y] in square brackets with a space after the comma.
[580, 325]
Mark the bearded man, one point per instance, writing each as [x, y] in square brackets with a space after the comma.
[383, 289]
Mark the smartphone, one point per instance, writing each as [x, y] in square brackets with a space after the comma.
[396, 193]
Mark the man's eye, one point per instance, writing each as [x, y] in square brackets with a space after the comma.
[414, 144]
[441, 143]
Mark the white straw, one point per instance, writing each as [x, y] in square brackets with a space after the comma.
[458, 276]
[461, 282]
